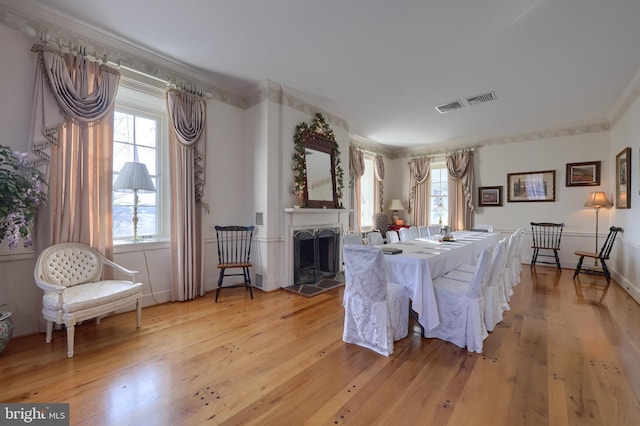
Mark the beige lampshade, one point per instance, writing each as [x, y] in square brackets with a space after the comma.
[598, 200]
[134, 176]
[395, 204]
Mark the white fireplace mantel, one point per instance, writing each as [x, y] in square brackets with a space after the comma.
[301, 218]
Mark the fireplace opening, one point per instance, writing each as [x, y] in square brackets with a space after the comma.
[315, 255]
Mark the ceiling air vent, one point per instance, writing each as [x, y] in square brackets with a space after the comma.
[482, 98]
[451, 106]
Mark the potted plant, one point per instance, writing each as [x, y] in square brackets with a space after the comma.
[21, 193]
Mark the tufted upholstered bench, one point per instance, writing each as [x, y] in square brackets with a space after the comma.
[71, 276]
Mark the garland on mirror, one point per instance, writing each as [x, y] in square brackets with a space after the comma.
[319, 126]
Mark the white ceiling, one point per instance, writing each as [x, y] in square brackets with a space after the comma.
[383, 65]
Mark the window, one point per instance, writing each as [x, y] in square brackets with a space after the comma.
[367, 194]
[139, 135]
[439, 202]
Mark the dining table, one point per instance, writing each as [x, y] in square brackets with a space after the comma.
[416, 263]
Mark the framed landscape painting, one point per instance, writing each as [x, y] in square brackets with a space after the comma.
[623, 179]
[489, 196]
[531, 186]
[583, 174]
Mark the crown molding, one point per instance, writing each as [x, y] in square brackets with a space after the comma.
[628, 98]
[283, 95]
[444, 147]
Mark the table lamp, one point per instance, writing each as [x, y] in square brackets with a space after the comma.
[596, 201]
[395, 205]
[134, 177]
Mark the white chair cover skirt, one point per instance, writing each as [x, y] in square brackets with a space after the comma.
[461, 308]
[376, 312]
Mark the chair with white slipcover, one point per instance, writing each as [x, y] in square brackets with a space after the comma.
[461, 308]
[71, 276]
[495, 302]
[376, 312]
[375, 238]
[404, 234]
[423, 231]
[352, 239]
[392, 236]
[413, 233]
[434, 229]
[508, 281]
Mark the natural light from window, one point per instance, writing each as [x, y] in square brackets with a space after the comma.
[439, 203]
[367, 191]
[135, 138]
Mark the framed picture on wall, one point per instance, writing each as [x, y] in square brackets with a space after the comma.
[489, 196]
[623, 179]
[531, 186]
[583, 174]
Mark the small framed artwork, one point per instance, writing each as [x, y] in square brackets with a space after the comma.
[531, 186]
[489, 196]
[623, 179]
[583, 174]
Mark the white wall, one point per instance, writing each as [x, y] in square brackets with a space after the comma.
[626, 133]
[17, 288]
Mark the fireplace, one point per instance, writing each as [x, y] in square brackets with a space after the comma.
[315, 254]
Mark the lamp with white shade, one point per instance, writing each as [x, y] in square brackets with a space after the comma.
[597, 200]
[134, 177]
[395, 205]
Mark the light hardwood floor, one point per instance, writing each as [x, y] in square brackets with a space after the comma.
[565, 354]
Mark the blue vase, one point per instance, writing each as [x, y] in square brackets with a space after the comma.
[6, 329]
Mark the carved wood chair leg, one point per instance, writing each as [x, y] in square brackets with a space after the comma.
[49, 331]
[71, 333]
[221, 276]
[138, 313]
[578, 267]
[247, 281]
[534, 257]
[555, 252]
[606, 271]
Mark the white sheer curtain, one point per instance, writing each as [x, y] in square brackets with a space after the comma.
[72, 134]
[187, 114]
[378, 161]
[419, 169]
[356, 169]
[460, 167]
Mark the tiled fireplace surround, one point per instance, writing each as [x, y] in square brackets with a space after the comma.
[304, 219]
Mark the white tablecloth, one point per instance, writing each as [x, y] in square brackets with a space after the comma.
[423, 259]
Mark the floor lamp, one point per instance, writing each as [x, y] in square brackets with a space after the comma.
[134, 177]
[596, 201]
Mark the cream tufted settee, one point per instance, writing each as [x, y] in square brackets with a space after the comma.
[71, 276]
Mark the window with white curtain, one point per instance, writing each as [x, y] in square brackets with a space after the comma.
[367, 194]
[140, 135]
[439, 197]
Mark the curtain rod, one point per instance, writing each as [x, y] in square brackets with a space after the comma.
[82, 51]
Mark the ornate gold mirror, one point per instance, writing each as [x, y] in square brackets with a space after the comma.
[320, 176]
[318, 181]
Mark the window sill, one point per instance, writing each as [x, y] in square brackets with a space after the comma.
[126, 246]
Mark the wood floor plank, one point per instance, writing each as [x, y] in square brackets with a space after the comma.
[565, 354]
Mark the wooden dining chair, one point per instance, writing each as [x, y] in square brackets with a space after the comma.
[603, 256]
[234, 252]
[546, 236]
